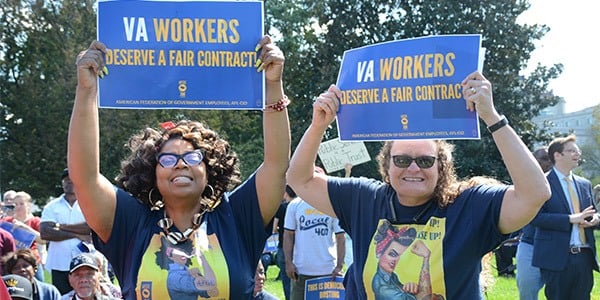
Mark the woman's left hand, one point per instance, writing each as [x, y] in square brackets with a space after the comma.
[325, 107]
[270, 59]
[477, 91]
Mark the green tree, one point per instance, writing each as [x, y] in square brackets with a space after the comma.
[591, 151]
[40, 41]
[314, 34]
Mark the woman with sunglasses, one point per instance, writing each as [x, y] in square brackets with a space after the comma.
[177, 184]
[420, 187]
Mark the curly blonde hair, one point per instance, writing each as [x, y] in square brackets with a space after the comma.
[443, 191]
[138, 171]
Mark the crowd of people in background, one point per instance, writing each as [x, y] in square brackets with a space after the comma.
[62, 222]
[179, 222]
[61, 230]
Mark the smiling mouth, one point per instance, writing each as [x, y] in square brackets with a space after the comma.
[413, 179]
[181, 179]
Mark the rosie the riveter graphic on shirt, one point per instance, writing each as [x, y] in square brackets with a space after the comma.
[185, 271]
[400, 259]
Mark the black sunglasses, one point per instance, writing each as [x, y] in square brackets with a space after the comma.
[424, 162]
[169, 160]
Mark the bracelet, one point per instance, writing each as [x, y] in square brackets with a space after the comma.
[277, 106]
[494, 127]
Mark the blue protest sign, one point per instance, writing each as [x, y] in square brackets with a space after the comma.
[324, 288]
[23, 237]
[271, 243]
[408, 89]
[181, 54]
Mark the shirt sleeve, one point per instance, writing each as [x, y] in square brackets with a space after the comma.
[133, 227]
[290, 213]
[336, 226]
[484, 203]
[48, 213]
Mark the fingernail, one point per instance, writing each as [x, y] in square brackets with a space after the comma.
[260, 68]
[257, 47]
[105, 69]
[258, 62]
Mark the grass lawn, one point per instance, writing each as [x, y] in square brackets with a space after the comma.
[504, 288]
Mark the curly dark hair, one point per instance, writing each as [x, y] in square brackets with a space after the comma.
[138, 171]
[443, 192]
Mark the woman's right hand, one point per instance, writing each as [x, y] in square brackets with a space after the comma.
[325, 107]
[90, 64]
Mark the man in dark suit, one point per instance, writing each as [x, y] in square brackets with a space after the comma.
[564, 246]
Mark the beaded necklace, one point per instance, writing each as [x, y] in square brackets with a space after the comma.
[179, 237]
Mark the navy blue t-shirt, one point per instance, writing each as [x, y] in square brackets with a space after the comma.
[447, 244]
[219, 261]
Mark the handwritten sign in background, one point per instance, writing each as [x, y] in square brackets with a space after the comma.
[334, 154]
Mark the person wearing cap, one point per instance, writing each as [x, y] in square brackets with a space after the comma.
[106, 285]
[19, 288]
[84, 278]
[64, 227]
[3, 291]
[24, 263]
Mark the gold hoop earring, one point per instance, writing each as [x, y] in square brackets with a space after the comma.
[156, 205]
[212, 191]
[208, 201]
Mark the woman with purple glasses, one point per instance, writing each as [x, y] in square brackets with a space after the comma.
[420, 188]
[175, 187]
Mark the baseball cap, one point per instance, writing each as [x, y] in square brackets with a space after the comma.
[65, 173]
[83, 259]
[18, 287]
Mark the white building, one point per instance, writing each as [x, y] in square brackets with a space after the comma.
[579, 122]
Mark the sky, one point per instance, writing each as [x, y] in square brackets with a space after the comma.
[572, 41]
